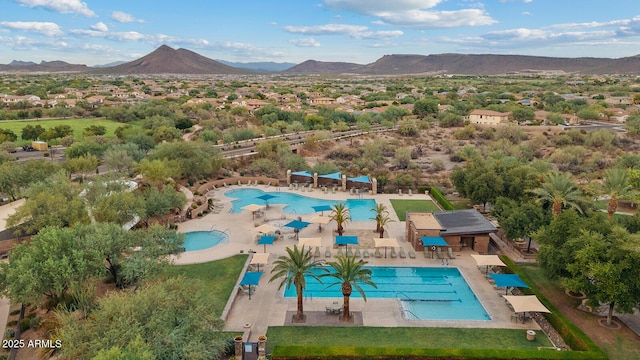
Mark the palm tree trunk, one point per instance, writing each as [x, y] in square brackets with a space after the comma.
[612, 206]
[557, 208]
[300, 310]
[346, 293]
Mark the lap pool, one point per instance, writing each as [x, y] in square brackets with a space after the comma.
[425, 293]
[359, 209]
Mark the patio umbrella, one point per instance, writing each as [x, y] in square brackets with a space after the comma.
[251, 278]
[525, 303]
[259, 258]
[266, 228]
[253, 208]
[320, 220]
[346, 240]
[321, 208]
[266, 198]
[297, 225]
[386, 242]
[508, 280]
[266, 240]
[430, 242]
[487, 260]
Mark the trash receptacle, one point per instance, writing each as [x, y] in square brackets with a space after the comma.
[531, 335]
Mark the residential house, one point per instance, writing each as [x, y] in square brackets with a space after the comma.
[488, 117]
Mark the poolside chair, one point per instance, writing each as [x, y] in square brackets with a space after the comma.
[317, 252]
[410, 192]
[327, 252]
[402, 254]
[245, 290]
[352, 191]
[450, 253]
[325, 190]
[378, 254]
[426, 252]
[269, 184]
[239, 183]
[439, 253]
[400, 192]
[339, 252]
[394, 254]
[225, 184]
[412, 253]
[350, 252]
[358, 254]
[365, 253]
[214, 188]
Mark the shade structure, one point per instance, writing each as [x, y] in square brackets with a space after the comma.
[302, 173]
[361, 179]
[266, 198]
[334, 176]
[253, 208]
[320, 220]
[508, 280]
[260, 259]
[266, 228]
[488, 260]
[309, 242]
[386, 242]
[266, 240]
[346, 240]
[321, 208]
[251, 278]
[433, 241]
[297, 225]
[525, 303]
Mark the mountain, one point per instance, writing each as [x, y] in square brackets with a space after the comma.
[44, 66]
[320, 67]
[485, 64]
[111, 64]
[166, 60]
[266, 66]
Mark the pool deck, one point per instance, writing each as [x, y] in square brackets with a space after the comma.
[267, 307]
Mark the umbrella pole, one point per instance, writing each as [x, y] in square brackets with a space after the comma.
[250, 290]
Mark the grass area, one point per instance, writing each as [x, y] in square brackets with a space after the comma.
[396, 339]
[401, 207]
[78, 126]
[219, 276]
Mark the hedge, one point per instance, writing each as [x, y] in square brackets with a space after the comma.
[437, 195]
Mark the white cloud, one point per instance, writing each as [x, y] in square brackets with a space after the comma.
[61, 6]
[123, 17]
[23, 43]
[100, 26]
[307, 42]
[44, 28]
[373, 7]
[524, 1]
[329, 29]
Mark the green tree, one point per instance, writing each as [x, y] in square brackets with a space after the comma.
[381, 211]
[349, 274]
[616, 185]
[340, 214]
[424, 107]
[82, 165]
[559, 190]
[118, 159]
[519, 219]
[154, 172]
[161, 202]
[94, 130]
[293, 269]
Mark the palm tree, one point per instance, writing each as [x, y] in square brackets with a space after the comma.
[340, 214]
[293, 268]
[383, 222]
[381, 211]
[350, 274]
[616, 185]
[560, 191]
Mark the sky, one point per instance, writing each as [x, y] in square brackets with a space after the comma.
[98, 32]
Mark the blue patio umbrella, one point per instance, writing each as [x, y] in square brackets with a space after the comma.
[297, 225]
[431, 242]
[508, 280]
[266, 240]
[266, 198]
[346, 240]
[321, 208]
[251, 278]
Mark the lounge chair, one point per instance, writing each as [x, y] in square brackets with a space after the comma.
[339, 252]
[439, 253]
[378, 254]
[394, 254]
[402, 254]
[245, 290]
[450, 252]
[412, 253]
[225, 184]
[213, 187]
[365, 253]
[357, 253]
[426, 252]
[239, 183]
[317, 252]
[350, 252]
[410, 192]
[327, 252]
[400, 192]
[269, 184]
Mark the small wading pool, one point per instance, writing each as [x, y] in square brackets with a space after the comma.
[425, 293]
[200, 240]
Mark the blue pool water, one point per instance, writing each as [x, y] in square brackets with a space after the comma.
[425, 293]
[200, 240]
[359, 209]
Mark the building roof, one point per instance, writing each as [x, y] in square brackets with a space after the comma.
[422, 221]
[469, 221]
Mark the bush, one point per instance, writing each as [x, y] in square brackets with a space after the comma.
[10, 333]
[437, 196]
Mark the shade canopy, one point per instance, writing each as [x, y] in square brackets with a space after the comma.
[260, 258]
[266, 197]
[302, 173]
[297, 224]
[251, 278]
[309, 242]
[321, 208]
[433, 241]
[334, 176]
[508, 280]
[488, 260]
[386, 242]
[526, 303]
[320, 219]
[266, 228]
[346, 240]
[361, 179]
[266, 240]
[253, 207]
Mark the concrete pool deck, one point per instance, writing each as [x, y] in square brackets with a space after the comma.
[267, 307]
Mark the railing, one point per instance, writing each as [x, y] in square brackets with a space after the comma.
[410, 312]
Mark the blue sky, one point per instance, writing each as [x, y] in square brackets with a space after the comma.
[97, 32]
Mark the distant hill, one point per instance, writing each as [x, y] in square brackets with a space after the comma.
[266, 66]
[111, 64]
[320, 67]
[473, 65]
[44, 66]
[166, 60]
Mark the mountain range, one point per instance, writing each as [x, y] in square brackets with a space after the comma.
[166, 60]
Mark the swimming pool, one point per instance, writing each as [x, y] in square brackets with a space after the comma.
[200, 240]
[359, 209]
[425, 293]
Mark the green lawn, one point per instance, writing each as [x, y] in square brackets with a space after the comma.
[401, 207]
[78, 125]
